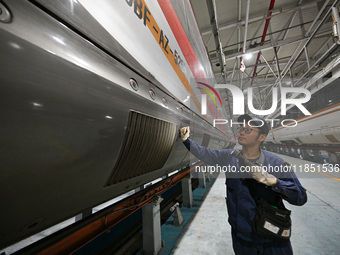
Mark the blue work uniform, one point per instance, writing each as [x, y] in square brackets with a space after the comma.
[241, 205]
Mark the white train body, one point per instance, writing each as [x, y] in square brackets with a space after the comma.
[322, 127]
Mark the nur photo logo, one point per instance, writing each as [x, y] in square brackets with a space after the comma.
[238, 101]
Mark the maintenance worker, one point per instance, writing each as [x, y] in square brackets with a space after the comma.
[269, 186]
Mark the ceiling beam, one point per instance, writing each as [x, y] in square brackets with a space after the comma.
[293, 59]
[289, 65]
[214, 25]
[260, 17]
[246, 28]
[269, 46]
[282, 62]
[285, 33]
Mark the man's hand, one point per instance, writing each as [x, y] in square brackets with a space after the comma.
[184, 133]
[262, 176]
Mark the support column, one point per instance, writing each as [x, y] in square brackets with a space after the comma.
[209, 176]
[187, 192]
[201, 179]
[316, 156]
[325, 157]
[152, 240]
[281, 151]
[304, 154]
[335, 157]
[293, 152]
[296, 153]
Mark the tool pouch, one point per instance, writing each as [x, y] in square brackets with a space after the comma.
[272, 222]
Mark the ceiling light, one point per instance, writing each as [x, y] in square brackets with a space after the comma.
[248, 56]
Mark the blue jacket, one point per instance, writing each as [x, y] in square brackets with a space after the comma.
[240, 204]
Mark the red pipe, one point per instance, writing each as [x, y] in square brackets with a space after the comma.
[271, 6]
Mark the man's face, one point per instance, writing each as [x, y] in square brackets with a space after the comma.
[250, 136]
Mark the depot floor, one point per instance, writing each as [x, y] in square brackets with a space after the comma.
[315, 227]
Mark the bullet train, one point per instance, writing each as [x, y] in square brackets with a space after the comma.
[319, 131]
[93, 94]
[322, 127]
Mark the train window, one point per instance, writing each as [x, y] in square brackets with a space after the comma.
[332, 93]
[294, 113]
[324, 97]
[313, 104]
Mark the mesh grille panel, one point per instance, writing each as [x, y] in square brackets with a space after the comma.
[298, 139]
[332, 138]
[206, 140]
[147, 144]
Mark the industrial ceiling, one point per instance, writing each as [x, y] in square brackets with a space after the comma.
[266, 43]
